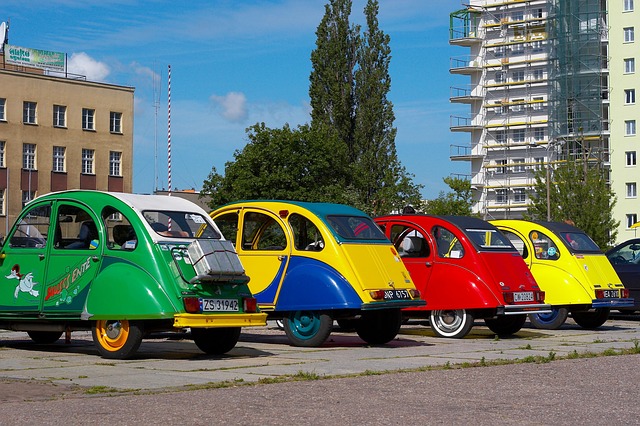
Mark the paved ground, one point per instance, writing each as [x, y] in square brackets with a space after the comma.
[172, 381]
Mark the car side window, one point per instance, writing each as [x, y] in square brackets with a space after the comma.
[543, 246]
[409, 242]
[517, 242]
[33, 229]
[228, 224]
[262, 232]
[121, 235]
[75, 229]
[447, 243]
[306, 235]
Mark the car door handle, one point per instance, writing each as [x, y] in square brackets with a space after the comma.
[41, 256]
[281, 258]
[95, 258]
[429, 264]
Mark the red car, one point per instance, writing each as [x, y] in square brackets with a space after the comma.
[465, 269]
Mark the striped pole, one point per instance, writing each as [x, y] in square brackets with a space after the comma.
[169, 138]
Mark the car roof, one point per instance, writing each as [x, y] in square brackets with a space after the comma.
[319, 209]
[462, 222]
[555, 227]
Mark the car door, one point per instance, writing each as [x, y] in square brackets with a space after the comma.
[264, 245]
[74, 259]
[23, 266]
[414, 248]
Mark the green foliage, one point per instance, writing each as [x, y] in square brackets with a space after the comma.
[458, 202]
[580, 194]
[292, 164]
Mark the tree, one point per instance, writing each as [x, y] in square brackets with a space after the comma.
[301, 164]
[458, 202]
[579, 194]
[349, 86]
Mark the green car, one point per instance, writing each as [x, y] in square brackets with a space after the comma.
[122, 265]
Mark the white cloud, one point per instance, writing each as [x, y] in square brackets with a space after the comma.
[233, 104]
[83, 64]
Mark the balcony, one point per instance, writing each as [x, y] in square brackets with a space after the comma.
[462, 153]
[464, 65]
[463, 124]
[464, 95]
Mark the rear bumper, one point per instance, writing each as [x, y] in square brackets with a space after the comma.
[392, 304]
[219, 320]
[533, 308]
[623, 302]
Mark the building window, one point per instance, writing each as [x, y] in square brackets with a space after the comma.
[500, 76]
[538, 163]
[88, 119]
[631, 190]
[536, 14]
[501, 166]
[538, 133]
[629, 96]
[501, 196]
[628, 35]
[518, 135]
[518, 165]
[499, 109]
[58, 158]
[627, 5]
[2, 202]
[59, 116]
[629, 65]
[538, 103]
[519, 196]
[87, 161]
[537, 75]
[29, 156]
[518, 75]
[517, 49]
[27, 196]
[537, 46]
[3, 109]
[501, 136]
[500, 51]
[115, 122]
[517, 107]
[114, 163]
[29, 112]
[2, 146]
[631, 219]
[631, 158]
[630, 127]
[517, 15]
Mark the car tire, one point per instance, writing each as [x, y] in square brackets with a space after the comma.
[380, 326]
[215, 341]
[308, 328]
[451, 323]
[506, 325]
[591, 319]
[550, 321]
[117, 339]
[44, 337]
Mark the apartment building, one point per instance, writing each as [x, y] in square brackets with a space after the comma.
[60, 132]
[624, 49]
[537, 77]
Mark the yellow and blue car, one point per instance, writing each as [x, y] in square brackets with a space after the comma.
[568, 265]
[313, 263]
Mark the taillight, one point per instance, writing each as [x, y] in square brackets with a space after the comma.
[191, 304]
[377, 294]
[540, 295]
[624, 292]
[415, 294]
[250, 304]
[508, 297]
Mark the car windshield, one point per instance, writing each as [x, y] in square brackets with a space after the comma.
[491, 239]
[356, 228]
[181, 225]
[579, 242]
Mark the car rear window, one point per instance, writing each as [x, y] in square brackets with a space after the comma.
[181, 225]
[356, 228]
[579, 242]
[490, 239]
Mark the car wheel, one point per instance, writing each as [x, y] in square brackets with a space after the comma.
[506, 325]
[215, 341]
[117, 339]
[308, 328]
[453, 323]
[379, 327]
[550, 321]
[591, 319]
[44, 337]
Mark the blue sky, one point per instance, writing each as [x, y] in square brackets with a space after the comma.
[236, 63]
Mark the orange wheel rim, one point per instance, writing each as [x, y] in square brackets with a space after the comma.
[112, 335]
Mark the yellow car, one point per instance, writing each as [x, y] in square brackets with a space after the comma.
[572, 270]
[312, 263]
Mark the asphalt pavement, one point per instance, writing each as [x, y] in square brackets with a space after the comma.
[344, 380]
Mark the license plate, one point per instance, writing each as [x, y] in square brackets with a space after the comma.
[219, 305]
[523, 296]
[610, 294]
[396, 295]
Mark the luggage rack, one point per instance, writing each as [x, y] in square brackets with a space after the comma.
[213, 261]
